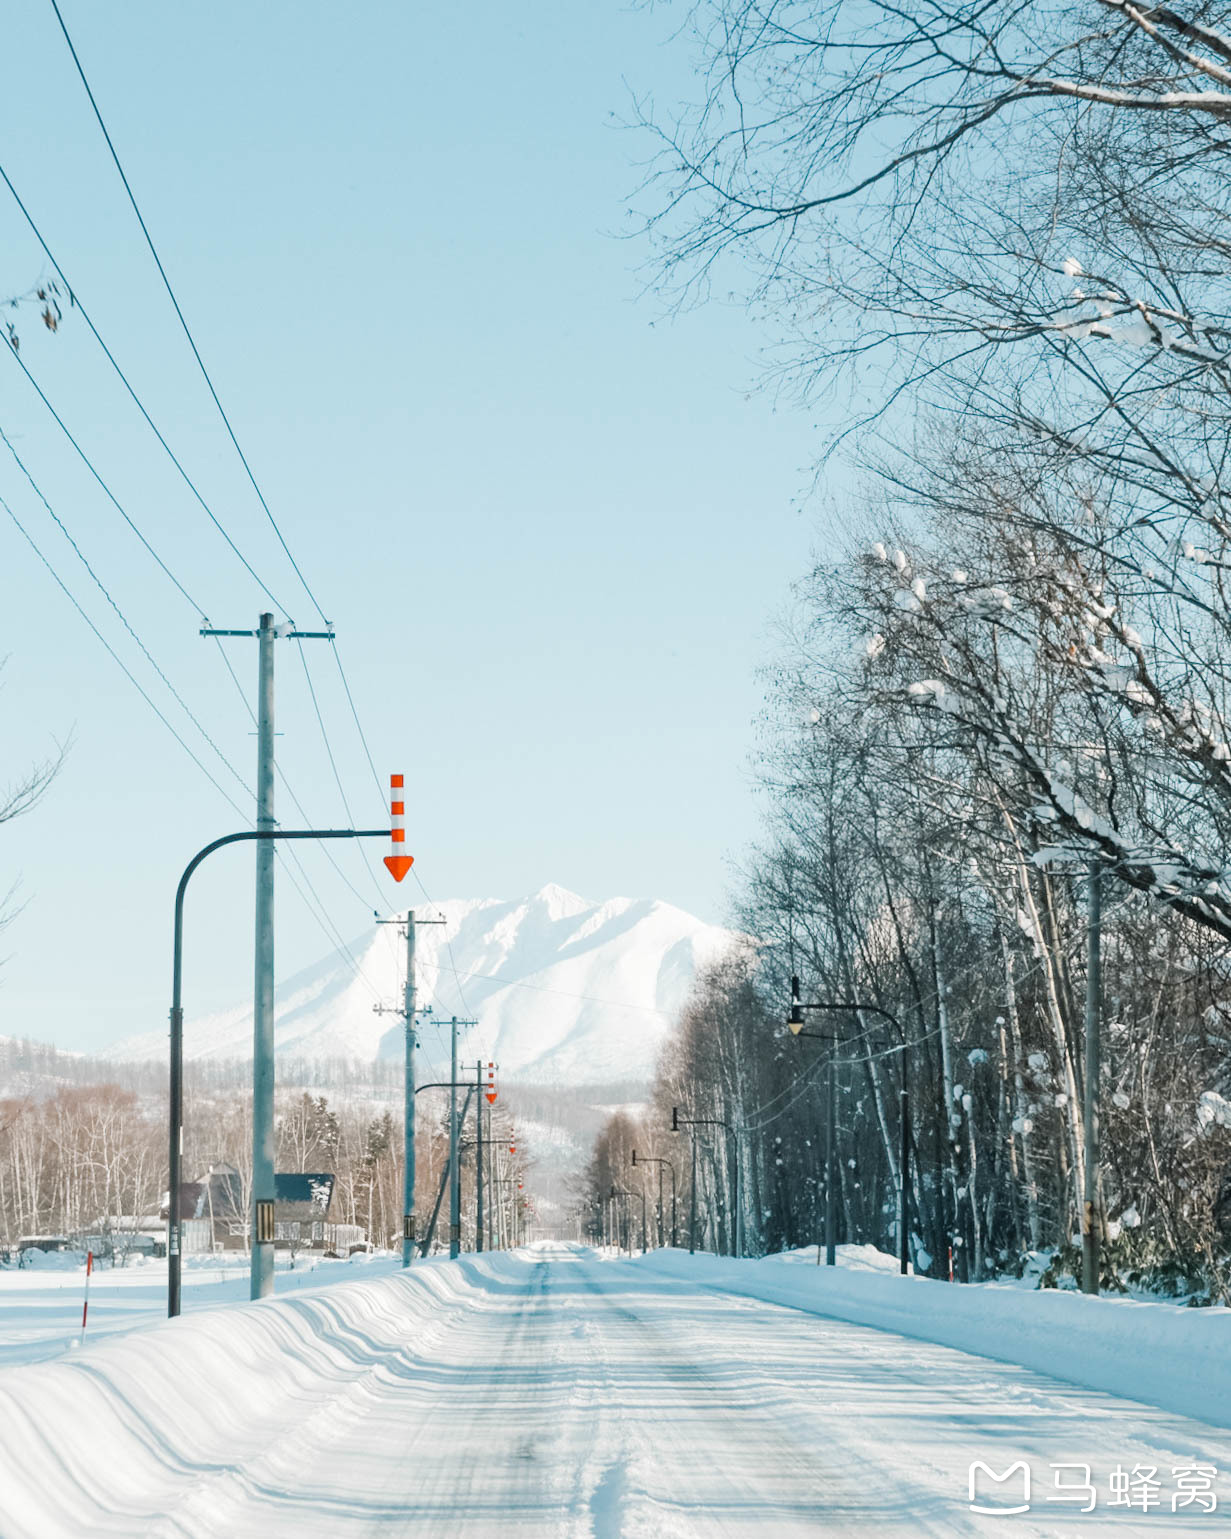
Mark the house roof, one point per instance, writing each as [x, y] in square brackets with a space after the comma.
[302, 1196]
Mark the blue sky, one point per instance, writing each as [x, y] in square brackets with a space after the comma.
[550, 523]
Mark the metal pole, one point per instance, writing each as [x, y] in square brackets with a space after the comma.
[176, 1118]
[660, 1204]
[478, 1161]
[408, 1129]
[831, 1170]
[692, 1217]
[1091, 1218]
[494, 1199]
[455, 1183]
[738, 1227]
[904, 1167]
[674, 1239]
[263, 1180]
[176, 1085]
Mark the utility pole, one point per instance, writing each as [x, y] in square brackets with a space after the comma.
[263, 1182]
[738, 1197]
[453, 1085]
[455, 1172]
[831, 1168]
[478, 1160]
[491, 1180]
[1091, 1220]
[408, 1109]
[263, 1176]
[409, 1013]
[904, 1166]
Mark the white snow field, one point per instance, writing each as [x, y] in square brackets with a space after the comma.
[548, 1392]
[40, 1306]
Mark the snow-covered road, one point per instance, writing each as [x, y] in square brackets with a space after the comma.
[550, 1393]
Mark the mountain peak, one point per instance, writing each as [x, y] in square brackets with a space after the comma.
[564, 989]
[559, 902]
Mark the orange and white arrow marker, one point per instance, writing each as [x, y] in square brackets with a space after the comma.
[399, 862]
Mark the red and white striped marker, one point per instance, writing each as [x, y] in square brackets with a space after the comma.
[491, 1084]
[85, 1307]
[399, 862]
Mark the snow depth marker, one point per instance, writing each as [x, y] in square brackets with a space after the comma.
[85, 1307]
[399, 862]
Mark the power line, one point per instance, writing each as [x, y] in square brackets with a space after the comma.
[320, 721]
[210, 384]
[331, 932]
[137, 401]
[123, 618]
[112, 498]
[60, 583]
[162, 273]
[281, 773]
[320, 918]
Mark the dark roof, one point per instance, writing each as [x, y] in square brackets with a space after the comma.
[301, 1196]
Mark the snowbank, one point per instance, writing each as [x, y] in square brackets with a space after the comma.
[1167, 1355]
[110, 1429]
[855, 1258]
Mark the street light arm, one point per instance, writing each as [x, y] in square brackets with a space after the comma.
[857, 1006]
[705, 1122]
[251, 834]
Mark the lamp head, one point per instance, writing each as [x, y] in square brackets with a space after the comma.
[796, 1018]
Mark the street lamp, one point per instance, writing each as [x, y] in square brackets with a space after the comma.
[795, 1022]
[649, 1159]
[621, 1191]
[737, 1237]
[176, 1088]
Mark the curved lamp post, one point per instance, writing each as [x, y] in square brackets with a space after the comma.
[649, 1159]
[795, 1023]
[737, 1236]
[176, 1118]
[623, 1191]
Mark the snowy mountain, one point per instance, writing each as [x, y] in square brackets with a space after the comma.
[563, 989]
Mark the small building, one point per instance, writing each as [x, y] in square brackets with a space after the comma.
[125, 1234]
[214, 1212]
[44, 1242]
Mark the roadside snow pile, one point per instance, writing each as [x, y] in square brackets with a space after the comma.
[136, 1426]
[1167, 1355]
[854, 1258]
